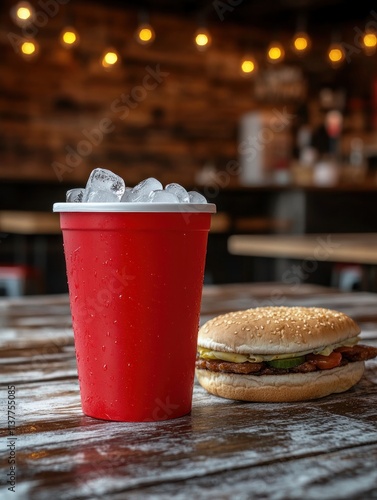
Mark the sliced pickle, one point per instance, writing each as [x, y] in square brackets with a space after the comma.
[286, 363]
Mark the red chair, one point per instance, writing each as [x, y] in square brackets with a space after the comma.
[17, 280]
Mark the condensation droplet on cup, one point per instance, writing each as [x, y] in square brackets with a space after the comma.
[107, 334]
[103, 348]
[115, 321]
[105, 366]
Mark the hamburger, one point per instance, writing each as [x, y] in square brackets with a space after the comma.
[276, 354]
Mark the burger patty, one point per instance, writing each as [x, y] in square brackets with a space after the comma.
[349, 355]
[357, 352]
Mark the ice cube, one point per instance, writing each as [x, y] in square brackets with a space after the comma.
[101, 196]
[126, 195]
[179, 191]
[162, 196]
[142, 190]
[196, 197]
[101, 179]
[75, 195]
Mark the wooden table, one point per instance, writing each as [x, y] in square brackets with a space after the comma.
[224, 449]
[344, 247]
[32, 223]
[351, 248]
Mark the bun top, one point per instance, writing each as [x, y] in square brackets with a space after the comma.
[276, 330]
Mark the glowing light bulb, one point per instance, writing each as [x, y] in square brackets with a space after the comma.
[301, 42]
[370, 40]
[69, 37]
[275, 52]
[202, 39]
[29, 49]
[248, 66]
[336, 54]
[145, 34]
[110, 58]
[370, 43]
[22, 13]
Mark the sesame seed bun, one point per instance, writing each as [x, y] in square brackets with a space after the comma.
[276, 330]
[281, 388]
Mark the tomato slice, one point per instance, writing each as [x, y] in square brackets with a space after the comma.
[325, 362]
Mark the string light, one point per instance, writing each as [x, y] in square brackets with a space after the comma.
[301, 42]
[275, 52]
[22, 13]
[29, 49]
[370, 43]
[370, 40]
[248, 66]
[336, 54]
[69, 37]
[110, 58]
[145, 34]
[202, 39]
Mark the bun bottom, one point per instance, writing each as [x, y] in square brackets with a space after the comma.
[281, 388]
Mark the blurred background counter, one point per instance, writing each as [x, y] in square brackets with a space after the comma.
[32, 236]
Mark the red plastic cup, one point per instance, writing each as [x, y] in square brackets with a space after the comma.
[135, 276]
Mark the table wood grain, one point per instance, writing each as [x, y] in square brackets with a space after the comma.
[224, 449]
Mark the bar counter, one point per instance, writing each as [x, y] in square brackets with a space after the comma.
[224, 449]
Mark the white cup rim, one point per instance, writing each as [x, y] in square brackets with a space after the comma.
[136, 207]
